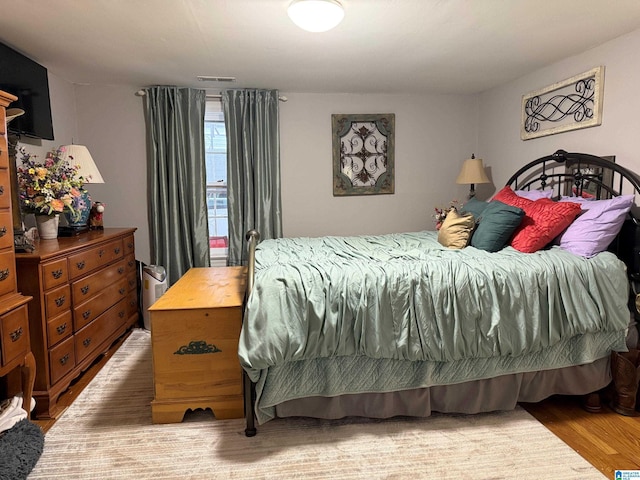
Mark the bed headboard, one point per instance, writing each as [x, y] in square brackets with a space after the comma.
[581, 174]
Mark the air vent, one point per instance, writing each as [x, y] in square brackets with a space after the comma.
[209, 78]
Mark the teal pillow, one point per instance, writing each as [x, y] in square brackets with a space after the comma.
[474, 207]
[496, 224]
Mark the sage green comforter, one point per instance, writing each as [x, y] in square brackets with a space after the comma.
[403, 299]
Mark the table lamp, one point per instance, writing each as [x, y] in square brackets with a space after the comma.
[472, 172]
[79, 155]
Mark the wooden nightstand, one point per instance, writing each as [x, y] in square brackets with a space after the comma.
[195, 327]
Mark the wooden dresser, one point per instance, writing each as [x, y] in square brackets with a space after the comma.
[195, 328]
[85, 297]
[14, 327]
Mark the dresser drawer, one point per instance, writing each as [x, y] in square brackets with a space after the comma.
[7, 272]
[57, 300]
[4, 153]
[92, 336]
[62, 359]
[5, 188]
[14, 334]
[91, 309]
[93, 284]
[6, 229]
[89, 260]
[55, 273]
[59, 328]
[129, 245]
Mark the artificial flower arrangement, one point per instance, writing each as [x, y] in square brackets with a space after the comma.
[441, 213]
[50, 187]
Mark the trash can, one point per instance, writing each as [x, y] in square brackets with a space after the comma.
[154, 284]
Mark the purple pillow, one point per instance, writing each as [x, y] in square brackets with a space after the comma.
[534, 194]
[594, 230]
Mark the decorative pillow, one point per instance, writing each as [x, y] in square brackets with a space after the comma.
[594, 230]
[495, 226]
[456, 229]
[474, 207]
[543, 220]
[534, 194]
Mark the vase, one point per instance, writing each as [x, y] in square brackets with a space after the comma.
[47, 226]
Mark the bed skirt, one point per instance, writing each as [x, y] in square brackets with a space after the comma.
[499, 393]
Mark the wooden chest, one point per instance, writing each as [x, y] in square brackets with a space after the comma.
[195, 327]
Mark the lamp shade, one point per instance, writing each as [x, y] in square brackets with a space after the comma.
[79, 155]
[472, 172]
[316, 15]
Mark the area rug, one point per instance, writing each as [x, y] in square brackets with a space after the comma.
[107, 434]
[20, 449]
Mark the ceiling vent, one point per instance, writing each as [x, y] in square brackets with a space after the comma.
[210, 78]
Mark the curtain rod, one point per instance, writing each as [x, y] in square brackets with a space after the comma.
[141, 93]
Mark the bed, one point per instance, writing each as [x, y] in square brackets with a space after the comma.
[402, 324]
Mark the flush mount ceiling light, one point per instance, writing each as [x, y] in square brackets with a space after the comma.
[316, 15]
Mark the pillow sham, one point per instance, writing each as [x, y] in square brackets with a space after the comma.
[495, 226]
[456, 229]
[534, 194]
[543, 219]
[474, 207]
[594, 230]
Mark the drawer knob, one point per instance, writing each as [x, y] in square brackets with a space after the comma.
[64, 359]
[121, 314]
[3, 231]
[132, 283]
[130, 263]
[16, 334]
[116, 250]
[80, 265]
[61, 328]
[130, 245]
[86, 342]
[197, 347]
[120, 270]
[86, 314]
[4, 274]
[85, 289]
[57, 273]
[60, 301]
[1, 189]
[122, 290]
[100, 253]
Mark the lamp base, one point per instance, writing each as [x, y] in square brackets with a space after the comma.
[72, 230]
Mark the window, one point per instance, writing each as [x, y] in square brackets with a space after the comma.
[215, 149]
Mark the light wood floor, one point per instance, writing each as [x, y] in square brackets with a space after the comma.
[607, 440]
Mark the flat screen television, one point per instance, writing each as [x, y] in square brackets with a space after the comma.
[27, 80]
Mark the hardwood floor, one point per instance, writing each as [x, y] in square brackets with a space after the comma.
[609, 441]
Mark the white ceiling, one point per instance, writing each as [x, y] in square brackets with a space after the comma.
[382, 46]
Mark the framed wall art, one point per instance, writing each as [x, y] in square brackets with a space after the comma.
[567, 105]
[363, 154]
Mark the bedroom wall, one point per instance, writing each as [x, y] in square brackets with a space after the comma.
[619, 134]
[434, 135]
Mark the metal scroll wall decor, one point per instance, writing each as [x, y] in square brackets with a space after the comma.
[568, 105]
[363, 154]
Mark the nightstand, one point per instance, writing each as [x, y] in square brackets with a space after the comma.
[195, 327]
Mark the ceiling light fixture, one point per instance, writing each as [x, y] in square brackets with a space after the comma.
[316, 15]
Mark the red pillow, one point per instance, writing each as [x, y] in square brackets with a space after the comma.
[543, 220]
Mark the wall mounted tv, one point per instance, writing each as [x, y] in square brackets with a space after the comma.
[28, 81]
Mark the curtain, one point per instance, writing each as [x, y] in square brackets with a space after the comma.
[176, 179]
[253, 167]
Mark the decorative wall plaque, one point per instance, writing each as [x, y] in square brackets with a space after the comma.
[363, 154]
[568, 105]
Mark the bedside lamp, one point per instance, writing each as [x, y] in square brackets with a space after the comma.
[472, 172]
[79, 155]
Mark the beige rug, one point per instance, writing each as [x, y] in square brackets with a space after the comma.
[107, 434]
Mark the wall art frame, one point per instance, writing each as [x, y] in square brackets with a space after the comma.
[363, 154]
[568, 105]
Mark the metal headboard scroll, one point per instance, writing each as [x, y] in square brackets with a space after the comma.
[607, 180]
